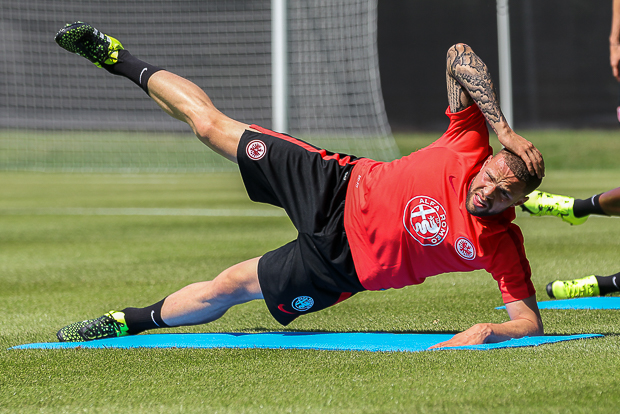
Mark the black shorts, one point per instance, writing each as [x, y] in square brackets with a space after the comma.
[316, 270]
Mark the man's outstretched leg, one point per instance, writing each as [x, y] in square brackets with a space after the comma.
[177, 96]
[194, 304]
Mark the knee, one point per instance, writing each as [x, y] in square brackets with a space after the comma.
[204, 125]
[237, 283]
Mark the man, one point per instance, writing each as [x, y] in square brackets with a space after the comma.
[575, 212]
[445, 208]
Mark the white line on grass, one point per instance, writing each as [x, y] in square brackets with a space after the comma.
[209, 212]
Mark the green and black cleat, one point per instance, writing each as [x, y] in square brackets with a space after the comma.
[576, 288]
[88, 42]
[110, 325]
[545, 204]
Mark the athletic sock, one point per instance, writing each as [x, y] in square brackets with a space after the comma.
[142, 319]
[134, 69]
[588, 206]
[608, 284]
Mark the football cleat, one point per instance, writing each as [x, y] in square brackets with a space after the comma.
[110, 325]
[88, 42]
[576, 288]
[545, 204]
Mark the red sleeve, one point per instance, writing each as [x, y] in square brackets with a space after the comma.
[467, 133]
[510, 267]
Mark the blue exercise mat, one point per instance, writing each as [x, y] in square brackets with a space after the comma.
[598, 302]
[375, 342]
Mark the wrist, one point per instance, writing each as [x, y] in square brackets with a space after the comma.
[485, 330]
[502, 130]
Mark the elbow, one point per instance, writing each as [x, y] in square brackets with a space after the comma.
[454, 56]
[537, 328]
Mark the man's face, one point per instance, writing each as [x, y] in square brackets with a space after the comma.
[494, 189]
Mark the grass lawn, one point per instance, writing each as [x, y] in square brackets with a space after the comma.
[59, 264]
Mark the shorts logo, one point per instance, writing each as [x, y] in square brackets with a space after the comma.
[256, 149]
[465, 248]
[425, 220]
[302, 303]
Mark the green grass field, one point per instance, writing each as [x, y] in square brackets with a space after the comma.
[73, 246]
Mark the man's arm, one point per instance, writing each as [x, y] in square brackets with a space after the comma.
[469, 81]
[614, 40]
[524, 321]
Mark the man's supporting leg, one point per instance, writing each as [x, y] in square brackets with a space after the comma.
[205, 302]
[194, 304]
[200, 302]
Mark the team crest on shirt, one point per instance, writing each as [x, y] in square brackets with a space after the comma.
[256, 149]
[425, 220]
[465, 248]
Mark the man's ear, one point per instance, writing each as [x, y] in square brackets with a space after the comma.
[523, 200]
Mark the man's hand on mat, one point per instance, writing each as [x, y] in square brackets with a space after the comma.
[475, 335]
[524, 321]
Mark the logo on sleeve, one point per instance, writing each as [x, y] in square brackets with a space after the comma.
[256, 149]
[425, 220]
[465, 248]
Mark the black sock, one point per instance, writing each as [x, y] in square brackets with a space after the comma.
[608, 284]
[132, 68]
[142, 319]
[588, 206]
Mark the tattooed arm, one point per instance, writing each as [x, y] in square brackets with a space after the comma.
[468, 81]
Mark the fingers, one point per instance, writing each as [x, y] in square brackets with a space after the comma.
[530, 155]
[532, 158]
[534, 161]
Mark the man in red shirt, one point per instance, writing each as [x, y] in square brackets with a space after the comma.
[446, 208]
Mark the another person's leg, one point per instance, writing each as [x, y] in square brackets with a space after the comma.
[573, 210]
[194, 304]
[610, 202]
[592, 285]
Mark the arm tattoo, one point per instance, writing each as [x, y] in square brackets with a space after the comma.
[469, 81]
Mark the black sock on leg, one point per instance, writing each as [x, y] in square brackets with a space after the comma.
[608, 284]
[588, 206]
[142, 319]
[134, 69]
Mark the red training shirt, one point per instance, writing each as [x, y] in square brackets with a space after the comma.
[406, 219]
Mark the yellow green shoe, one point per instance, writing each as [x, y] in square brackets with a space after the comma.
[576, 288]
[88, 42]
[545, 204]
[110, 325]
